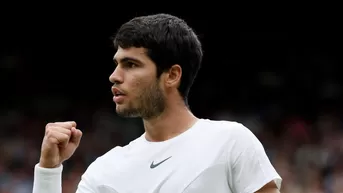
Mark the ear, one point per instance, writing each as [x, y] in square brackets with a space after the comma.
[173, 76]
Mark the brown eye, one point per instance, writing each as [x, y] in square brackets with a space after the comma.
[131, 64]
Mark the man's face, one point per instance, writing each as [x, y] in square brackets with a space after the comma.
[137, 91]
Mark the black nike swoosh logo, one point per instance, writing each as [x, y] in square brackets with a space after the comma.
[155, 165]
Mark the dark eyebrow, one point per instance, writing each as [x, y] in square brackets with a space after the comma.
[127, 59]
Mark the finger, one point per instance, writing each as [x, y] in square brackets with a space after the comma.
[58, 129]
[58, 138]
[75, 136]
[62, 130]
[67, 124]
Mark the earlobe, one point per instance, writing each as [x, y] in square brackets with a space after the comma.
[174, 76]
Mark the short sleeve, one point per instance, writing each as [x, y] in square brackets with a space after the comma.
[249, 166]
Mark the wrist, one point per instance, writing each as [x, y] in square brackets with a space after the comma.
[45, 164]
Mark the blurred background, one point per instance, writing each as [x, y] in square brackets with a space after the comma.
[283, 84]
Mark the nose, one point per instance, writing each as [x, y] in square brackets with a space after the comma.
[116, 77]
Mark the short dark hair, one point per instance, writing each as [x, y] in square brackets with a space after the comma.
[168, 40]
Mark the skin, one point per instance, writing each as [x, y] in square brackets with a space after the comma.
[156, 100]
[59, 143]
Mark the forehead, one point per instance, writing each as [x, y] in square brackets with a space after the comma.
[132, 52]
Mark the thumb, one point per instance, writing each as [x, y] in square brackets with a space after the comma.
[75, 136]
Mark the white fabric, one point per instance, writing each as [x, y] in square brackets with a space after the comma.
[212, 156]
[47, 180]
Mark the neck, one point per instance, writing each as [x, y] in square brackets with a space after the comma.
[175, 119]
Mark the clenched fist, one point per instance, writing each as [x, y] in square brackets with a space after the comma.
[60, 142]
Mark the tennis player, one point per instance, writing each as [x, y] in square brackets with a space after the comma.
[156, 61]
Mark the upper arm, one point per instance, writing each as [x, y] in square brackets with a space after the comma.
[249, 167]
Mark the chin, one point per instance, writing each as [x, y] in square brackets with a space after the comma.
[126, 112]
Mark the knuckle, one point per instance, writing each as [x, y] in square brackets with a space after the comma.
[68, 132]
[49, 132]
[52, 140]
[47, 126]
[63, 138]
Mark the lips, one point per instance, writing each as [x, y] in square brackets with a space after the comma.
[118, 95]
[117, 92]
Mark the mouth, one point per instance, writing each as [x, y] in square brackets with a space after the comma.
[117, 92]
[118, 95]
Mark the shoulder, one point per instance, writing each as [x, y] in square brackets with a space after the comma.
[236, 136]
[230, 135]
[231, 129]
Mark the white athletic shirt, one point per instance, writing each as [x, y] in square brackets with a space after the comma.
[212, 156]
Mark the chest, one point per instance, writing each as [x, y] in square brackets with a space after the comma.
[176, 168]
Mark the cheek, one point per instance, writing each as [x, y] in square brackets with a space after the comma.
[139, 85]
[140, 81]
